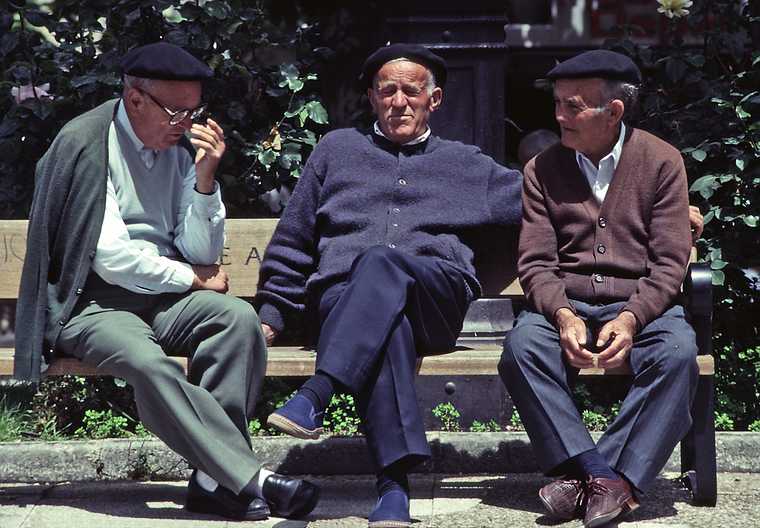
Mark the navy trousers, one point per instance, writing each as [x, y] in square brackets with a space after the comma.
[654, 416]
[393, 307]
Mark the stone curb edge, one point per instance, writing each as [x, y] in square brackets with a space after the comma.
[149, 458]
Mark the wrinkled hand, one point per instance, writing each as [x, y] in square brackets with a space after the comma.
[208, 141]
[696, 222]
[617, 339]
[212, 278]
[269, 333]
[572, 338]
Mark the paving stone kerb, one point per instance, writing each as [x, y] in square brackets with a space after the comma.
[148, 458]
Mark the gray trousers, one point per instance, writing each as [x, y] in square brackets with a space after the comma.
[654, 416]
[202, 416]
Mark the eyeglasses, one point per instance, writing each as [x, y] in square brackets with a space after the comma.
[177, 116]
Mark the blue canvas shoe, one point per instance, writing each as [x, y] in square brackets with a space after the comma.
[392, 508]
[298, 418]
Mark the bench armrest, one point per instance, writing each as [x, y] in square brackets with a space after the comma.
[698, 290]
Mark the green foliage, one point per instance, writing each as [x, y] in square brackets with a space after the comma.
[103, 424]
[754, 426]
[61, 405]
[448, 416]
[263, 91]
[341, 417]
[515, 422]
[491, 426]
[595, 420]
[723, 422]
[13, 421]
[738, 384]
[701, 95]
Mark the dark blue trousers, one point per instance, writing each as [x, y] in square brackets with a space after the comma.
[393, 307]
[654, 416]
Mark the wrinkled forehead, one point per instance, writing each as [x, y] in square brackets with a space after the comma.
[402, 70]
[585, 89]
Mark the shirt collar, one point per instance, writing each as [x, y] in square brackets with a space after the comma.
[614, 154]
[123, 120]
[415, 141]
[147, 155]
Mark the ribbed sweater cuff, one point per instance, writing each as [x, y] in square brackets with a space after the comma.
[270, 315]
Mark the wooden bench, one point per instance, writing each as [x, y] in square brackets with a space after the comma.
[479, 347]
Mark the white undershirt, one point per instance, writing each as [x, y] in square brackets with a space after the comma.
[599, 179]
[198, 233]
[415, 141]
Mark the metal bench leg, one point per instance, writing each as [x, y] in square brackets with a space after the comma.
[698, 447]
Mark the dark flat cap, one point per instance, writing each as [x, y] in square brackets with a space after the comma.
[164, 61]
[604, 64]
[413, 52]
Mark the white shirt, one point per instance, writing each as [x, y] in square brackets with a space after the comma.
[599, 179]
[418, 139]
[197, 233]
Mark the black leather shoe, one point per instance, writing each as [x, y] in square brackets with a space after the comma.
[224, 502]
[289, 497]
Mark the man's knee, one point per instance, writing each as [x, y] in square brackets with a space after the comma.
[678, 353]
[235, 311]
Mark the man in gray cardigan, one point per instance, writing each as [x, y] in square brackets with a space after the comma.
[603, 251]
[126, 226]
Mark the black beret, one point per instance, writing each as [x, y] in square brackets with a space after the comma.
[413, 52]
[604, 64]
[164, 61]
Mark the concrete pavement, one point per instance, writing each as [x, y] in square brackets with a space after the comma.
[437, 500]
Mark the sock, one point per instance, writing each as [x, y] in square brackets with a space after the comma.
[205, 481]
[591, 463]
[393, 476]
[319, 389]
[257, 482]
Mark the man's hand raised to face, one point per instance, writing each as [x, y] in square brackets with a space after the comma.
[572, 338]
[208, 140]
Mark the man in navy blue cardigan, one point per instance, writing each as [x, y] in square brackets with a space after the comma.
[373, 239]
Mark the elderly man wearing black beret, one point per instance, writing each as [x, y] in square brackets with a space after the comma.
[603, 250]
[372, 241]
[125, 230]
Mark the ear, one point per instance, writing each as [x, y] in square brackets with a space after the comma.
[617, 109]
[436, 98]
[134, 99]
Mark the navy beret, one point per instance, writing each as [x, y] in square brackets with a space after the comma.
[604, 64]
[413, 52]
[164, 61]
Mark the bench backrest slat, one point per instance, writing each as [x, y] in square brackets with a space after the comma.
[246, 240]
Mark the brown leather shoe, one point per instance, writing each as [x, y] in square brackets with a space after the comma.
[563, 498]
[606, 500]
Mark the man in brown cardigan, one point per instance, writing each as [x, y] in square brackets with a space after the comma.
[603, 250]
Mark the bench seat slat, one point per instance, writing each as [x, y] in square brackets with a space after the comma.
[297, 361]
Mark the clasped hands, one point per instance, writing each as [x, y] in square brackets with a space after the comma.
[613, 342]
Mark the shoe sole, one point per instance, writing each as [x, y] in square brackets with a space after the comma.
[389, 524]
[293, 429]
[554, 513]
[209, 507]
[627, 507]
